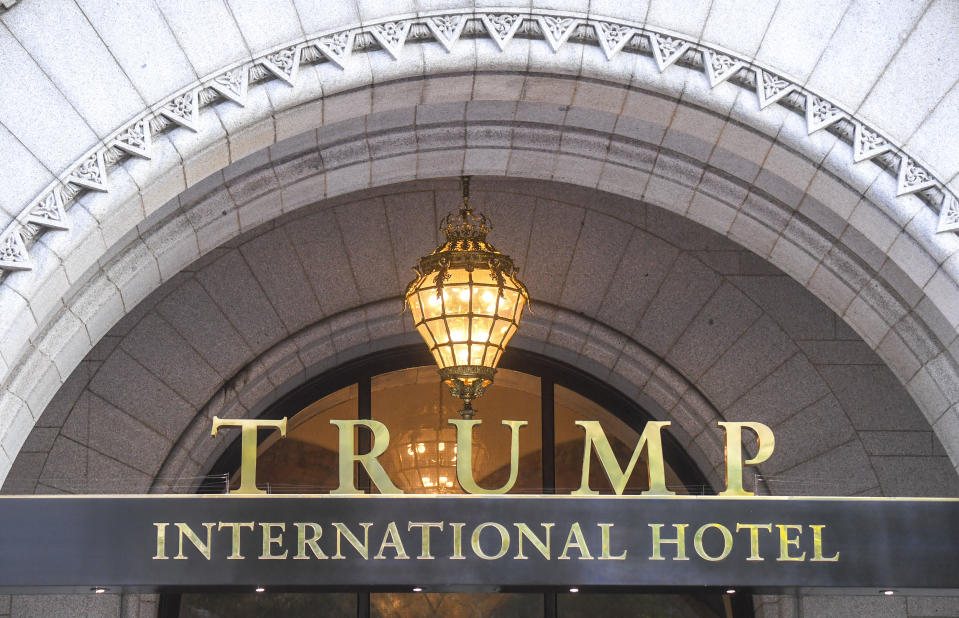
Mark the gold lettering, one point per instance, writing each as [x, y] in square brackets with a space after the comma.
[457, 541]
[604, 528]
[734, 453]
[785, 542]
[161, 541]
[679, 541]
[236, 526]
[727, 542]
[381, 440]
[579, 543]
[391, 538]
[464, 459]
[425, 528]
[651, 438]
[363, 549]
[302, 542]
[817, 546]
[503, 535]
[754, 538]
[186, 531]
[269, 541]
[248, 428]
[525, 531]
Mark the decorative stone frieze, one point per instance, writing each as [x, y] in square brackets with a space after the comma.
[556, 28]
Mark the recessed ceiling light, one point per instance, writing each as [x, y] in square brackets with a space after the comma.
[574, 589]
[889, 593]
[730, 591]
[99, 589]
[260, 589]
[417, 589]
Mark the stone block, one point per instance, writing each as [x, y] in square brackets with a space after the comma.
[316, 16]
[259, 211]
[153, 402]
[794, 386]
[52, 34]
[555, 229]
[164, 353]
[932, 477]
[140, 40]
[234, 289]
[278, 270]
[645, 117]
[683, 291]
[319, 243]
[250, 129]
[902, 443]
[117, 435]
[99, 306]
[365, 225]
[193, 30]
[44, 606]
[785, 175]
[79, 249]
[926, 142]
[932, 606]
[762, 347]
[66, 342]
[913, 66]
[599, 248]
[205, 152]
[897, 355]
[693, 132]
[731, 27]
[720, 322]
[843, 471]
[264, 27]
[944, 292]
[913, 259]
[57, 137]
[23, 173]
[795, 36]
[816, 429]
[873, 398]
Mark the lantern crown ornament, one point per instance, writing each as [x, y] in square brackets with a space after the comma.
[466, 302]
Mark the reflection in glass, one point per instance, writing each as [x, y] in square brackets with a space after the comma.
[306, 461]
[247, 605]
[422, 455]
[455, 605]
[583, 605]
[571, 407]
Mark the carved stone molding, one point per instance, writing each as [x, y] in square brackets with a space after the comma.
[50, 209]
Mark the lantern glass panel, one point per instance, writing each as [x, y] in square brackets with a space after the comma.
[438, 328]
[461, 354]
[484, 300]
[480, 329]
[432, 306]
[459, 328]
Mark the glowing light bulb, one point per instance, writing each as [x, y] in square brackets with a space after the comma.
[420, 448]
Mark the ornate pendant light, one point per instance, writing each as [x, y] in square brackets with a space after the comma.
[466, 303]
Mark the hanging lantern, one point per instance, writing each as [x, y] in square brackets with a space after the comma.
[466, 303]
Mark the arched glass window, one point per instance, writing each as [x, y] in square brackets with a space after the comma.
[401, 389]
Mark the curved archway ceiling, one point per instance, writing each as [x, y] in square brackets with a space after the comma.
[50, 210]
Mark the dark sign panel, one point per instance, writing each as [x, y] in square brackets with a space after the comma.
[460, 541]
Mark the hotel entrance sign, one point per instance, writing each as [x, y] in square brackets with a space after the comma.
[443, 542]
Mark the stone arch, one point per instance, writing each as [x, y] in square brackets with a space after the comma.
[676, 317]
[45, 338]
